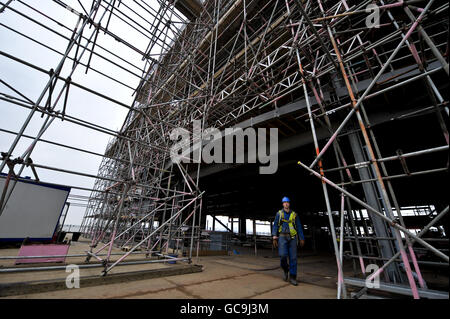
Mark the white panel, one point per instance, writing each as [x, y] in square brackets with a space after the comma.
[32, 210]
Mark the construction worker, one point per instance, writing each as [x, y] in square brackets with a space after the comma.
[286, 230]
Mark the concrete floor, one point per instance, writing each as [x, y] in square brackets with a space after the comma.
[235, 276]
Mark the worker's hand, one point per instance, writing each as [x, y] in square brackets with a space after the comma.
[302, 243]
[275, 241]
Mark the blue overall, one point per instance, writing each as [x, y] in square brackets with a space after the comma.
[287, 246]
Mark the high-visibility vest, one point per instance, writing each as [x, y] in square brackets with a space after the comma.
[290, 221]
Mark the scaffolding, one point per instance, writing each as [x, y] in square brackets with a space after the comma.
[224, 63]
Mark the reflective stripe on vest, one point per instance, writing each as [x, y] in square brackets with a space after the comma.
[290, 221]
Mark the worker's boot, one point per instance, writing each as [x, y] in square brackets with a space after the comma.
[286, 275]
[293, 280]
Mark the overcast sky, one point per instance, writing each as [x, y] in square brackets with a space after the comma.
[81, 104]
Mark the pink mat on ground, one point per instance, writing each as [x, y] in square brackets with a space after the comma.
[42, 250]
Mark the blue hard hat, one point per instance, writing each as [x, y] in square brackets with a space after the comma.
[285, 199]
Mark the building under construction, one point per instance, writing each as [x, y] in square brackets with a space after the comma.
[358, 93]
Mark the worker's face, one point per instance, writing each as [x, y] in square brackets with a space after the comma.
[286, 205]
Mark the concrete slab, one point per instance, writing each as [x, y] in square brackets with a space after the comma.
[61, 274]
[39, 286]
[109, 291]
[244, 286]
[302, 291]
[165, 294]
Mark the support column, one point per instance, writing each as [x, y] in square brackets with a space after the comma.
[374, 200]
[254, 235]
[203, 217]
[242, 226]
